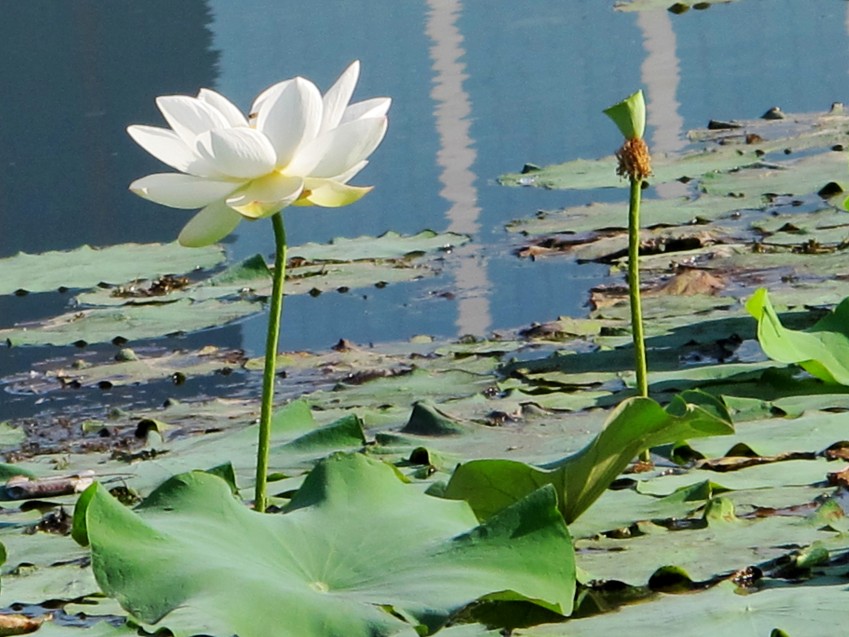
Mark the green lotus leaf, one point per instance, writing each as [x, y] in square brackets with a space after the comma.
[389, 245]
[358, 552]
[85, 267]
[636, 424]
[822, 350]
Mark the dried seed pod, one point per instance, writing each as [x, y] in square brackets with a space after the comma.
[634, 159]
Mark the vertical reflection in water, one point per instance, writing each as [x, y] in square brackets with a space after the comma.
[455, 157]
[661, 74]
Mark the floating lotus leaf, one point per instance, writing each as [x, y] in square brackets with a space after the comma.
[143, 309]
[85, 267]
[389, 245]
[136, 367]
[131, 322]
[296, 443]
[722, 152]
[724, 609]
[357, 553]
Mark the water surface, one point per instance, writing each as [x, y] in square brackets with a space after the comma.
[478, 87]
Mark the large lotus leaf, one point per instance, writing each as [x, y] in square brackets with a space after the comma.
[85, 267]
[357, 553]
[622, 508]
[636, 424]
[720, 156]
[389, 245]
[247, 279]
[799, 177]
[757, 476]
[66, 581]
[418, 384]
[823, 350]
[810, 433]
[435, 437]
[802, 223]
[581, 174]
[717, 543]
[132, 322]
[296, 441]
[251, 279]
[134, 367]
[802, 609]
[614, 216]
[42, 566]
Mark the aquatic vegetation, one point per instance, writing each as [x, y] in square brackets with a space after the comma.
[531, 428]
[357, 552]
[295, 147]
[634, 164]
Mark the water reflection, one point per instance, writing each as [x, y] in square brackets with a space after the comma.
[456, 157]
[661, 73]
[74, 75]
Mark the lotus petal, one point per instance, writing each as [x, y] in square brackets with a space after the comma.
[224, 106]
[332, 194]
[189, 116]
[182, 191]
[210, 225]
[267, 195]
[375, 107]
[339, 150]
[242, 153]
[338, 96]
[170, 149]
[290, 118]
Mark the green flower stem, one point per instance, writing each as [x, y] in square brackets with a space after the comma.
[634, 287]
[634, 294]
[270, 369]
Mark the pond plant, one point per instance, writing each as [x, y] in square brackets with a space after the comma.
[629, 115]
[193, 559]
[295, 147]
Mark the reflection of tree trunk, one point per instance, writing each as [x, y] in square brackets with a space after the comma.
[455, 157]
[661, 75]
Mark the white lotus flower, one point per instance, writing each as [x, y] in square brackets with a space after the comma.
[295, 147]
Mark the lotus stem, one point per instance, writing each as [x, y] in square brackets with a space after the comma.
[270, 369]
[629, 115]
[634, 287]
[640, 364]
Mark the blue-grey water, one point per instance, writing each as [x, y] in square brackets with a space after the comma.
[479, 87]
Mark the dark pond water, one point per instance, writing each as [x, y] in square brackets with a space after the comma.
[479, 88]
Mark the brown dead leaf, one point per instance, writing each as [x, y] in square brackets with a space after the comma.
[607, 296]
[839, 478]
[20, 624]
[689, 282]
[838, 451]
